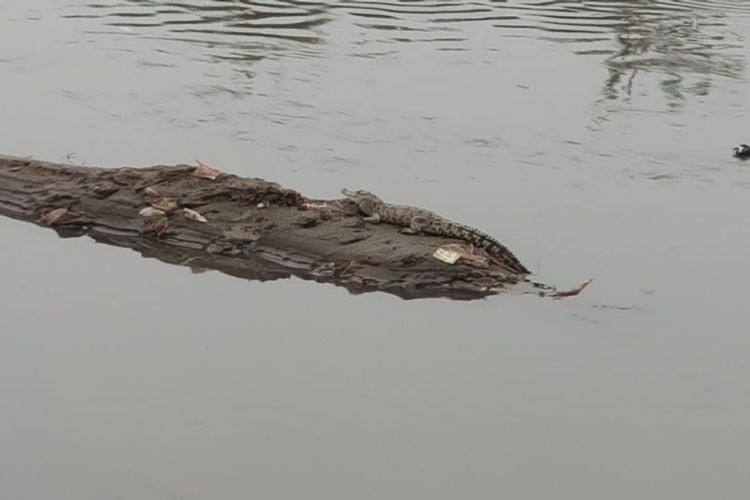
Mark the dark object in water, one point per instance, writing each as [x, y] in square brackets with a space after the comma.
[741, 151]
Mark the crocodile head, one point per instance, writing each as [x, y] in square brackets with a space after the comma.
[367, 202]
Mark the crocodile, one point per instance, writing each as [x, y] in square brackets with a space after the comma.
[415, 220]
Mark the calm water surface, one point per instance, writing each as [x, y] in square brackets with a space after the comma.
[591, 137]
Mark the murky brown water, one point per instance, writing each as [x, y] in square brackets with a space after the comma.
[593, 138]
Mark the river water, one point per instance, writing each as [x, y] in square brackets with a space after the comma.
[593, 138]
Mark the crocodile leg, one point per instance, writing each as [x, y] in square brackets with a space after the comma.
[415, 226]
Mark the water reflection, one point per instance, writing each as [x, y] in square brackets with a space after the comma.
[687, 44]
[268, 264]
[687, 48]
[244, 30]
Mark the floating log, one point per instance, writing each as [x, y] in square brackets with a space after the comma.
[245, 227]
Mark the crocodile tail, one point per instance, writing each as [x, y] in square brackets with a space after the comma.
[495, 249]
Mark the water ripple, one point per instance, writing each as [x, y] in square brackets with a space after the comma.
[684, 40]
[251, 26]
[688, 42]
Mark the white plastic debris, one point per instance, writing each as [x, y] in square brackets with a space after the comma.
[453, 252]
[193, 215]
[447, 255]
[151, 212]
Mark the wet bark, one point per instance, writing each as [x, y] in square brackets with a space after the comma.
[253, 229]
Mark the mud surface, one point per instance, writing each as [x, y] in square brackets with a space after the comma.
[245, 227]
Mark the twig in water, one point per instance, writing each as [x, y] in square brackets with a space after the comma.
[572, 292]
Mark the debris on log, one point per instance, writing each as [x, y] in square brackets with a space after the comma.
[246, 227]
